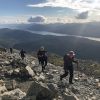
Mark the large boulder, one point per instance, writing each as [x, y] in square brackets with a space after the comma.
[53, 87]
[40, 78]
[26, 73]
[4, 63]
[69, 97]
[13, 95]
[41, 91]
[7, 97]
[30, 98]
[2, 87]
[18, 63]
[10, 85]
[30, 71]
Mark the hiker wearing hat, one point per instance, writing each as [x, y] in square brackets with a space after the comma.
[68, 65]
[42, 57]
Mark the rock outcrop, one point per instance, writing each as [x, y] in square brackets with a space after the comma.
[23, 79]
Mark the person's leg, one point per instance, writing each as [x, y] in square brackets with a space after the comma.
[22, 57]
[64, 75]
[42, 64]
[71, 75]
[39, 60]
[45, 63]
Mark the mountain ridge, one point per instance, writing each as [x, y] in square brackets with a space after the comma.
[46, 85]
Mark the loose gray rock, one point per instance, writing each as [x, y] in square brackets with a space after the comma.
[41, 91]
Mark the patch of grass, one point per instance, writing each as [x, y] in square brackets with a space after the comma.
[56, 59]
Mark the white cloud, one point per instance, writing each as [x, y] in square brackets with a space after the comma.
[42, 19]
[83, 15]
[13, 19]
[22, 19]
[74, 4]
[78, 5]
[65, 20]
[38, 18]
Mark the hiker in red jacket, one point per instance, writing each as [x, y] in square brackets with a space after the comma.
[68, 65]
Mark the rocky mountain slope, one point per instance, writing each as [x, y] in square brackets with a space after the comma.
[23, 80]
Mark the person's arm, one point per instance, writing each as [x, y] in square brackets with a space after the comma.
[77, 62]
[46, 53]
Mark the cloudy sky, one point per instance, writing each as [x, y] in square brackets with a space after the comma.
[49, 11]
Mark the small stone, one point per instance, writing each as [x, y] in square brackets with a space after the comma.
[76, 79]
[75, 90]
[41, 78]
[2, 83]
[50, 76]
[93, 98]
[55, 71]
[96, 80]
[33, 63]
[84, 79]
[98, 85]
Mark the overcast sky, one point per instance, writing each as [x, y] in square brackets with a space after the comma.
[23, 11]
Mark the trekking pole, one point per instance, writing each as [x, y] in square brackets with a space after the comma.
[78, 69]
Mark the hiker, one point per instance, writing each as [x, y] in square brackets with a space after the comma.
[11, 50]
[22, 54]
[68, 66]
[42, 57]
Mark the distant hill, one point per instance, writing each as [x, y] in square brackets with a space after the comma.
[90, 29]
[85, 49]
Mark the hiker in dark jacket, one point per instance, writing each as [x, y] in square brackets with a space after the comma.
[11, 50]
[68, 66]
[42, 57]
[22, 54]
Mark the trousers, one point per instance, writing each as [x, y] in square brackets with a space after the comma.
[43, 63]
[67, 71]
